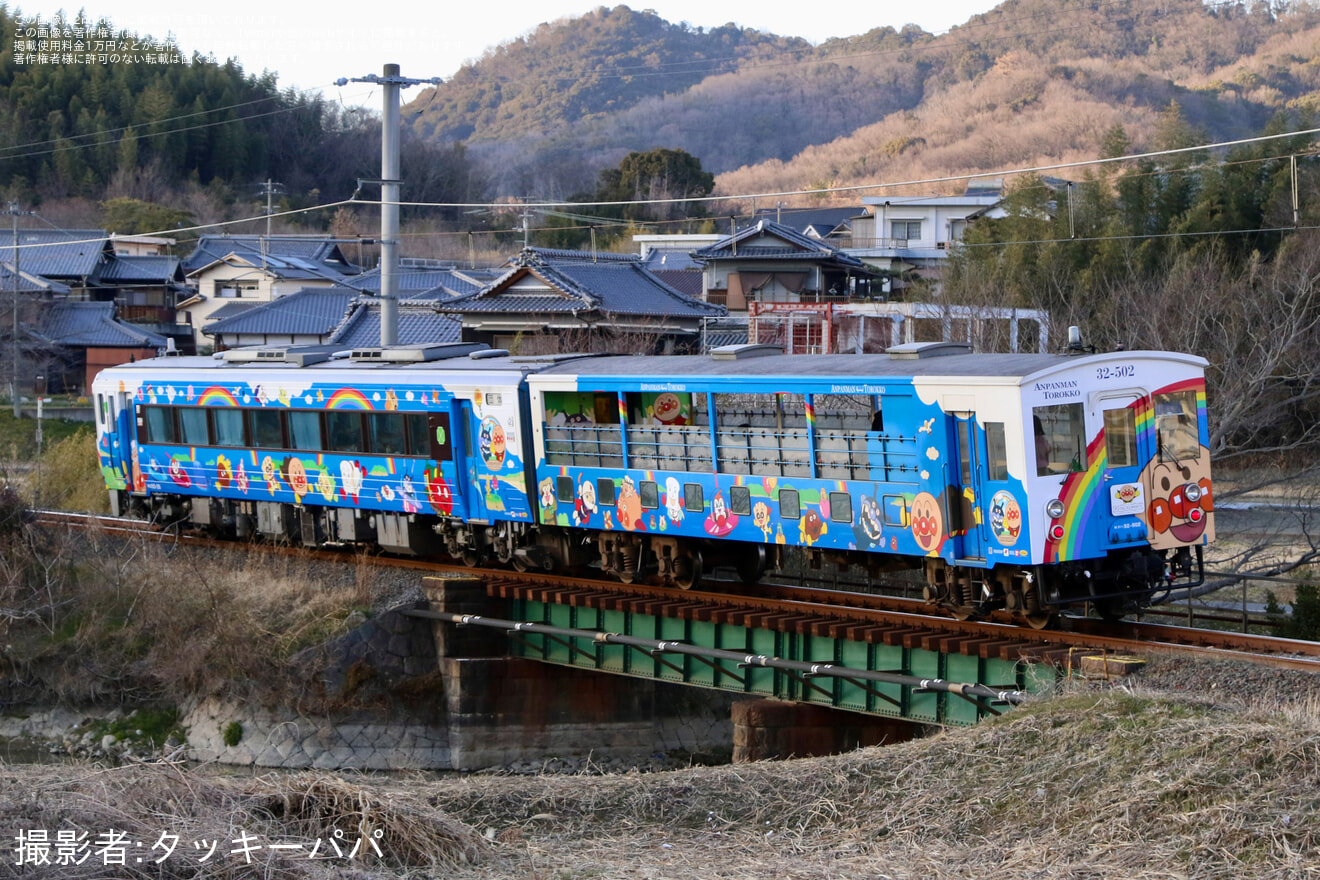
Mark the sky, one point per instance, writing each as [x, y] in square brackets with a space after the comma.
[311, 44]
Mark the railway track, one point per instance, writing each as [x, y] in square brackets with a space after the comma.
[837, 613]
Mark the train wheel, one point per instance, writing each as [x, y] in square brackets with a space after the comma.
[470, 558]
[1110, 610]
[1039, 621]
[751, 566]
[687, 570]
[962, 612]
[519, 563]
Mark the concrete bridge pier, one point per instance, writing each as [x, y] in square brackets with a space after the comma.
[765, 729]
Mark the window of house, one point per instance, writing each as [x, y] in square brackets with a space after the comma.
[235, 289]
[905, 229]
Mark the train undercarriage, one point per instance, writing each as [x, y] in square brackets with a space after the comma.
[1123, 581]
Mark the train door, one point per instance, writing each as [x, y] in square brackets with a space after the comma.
[123, 438]
[965, 508]
[446, 495]
[1124, 460]
[466, 454]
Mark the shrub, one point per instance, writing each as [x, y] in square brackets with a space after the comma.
[69, 476]
[233, 733]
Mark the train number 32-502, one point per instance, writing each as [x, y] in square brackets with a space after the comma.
[1120, 371]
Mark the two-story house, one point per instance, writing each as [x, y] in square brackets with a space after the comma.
[230, 274]
[910, 237]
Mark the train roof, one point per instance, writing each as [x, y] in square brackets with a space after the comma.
[903, 362]
[952, 362]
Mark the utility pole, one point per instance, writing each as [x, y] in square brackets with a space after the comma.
[14, 212]
[269, 188]
[391, 124]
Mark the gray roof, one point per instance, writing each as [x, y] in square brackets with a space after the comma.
[230, 309]
[126, 269]
[66, 254]
[92, 324]
[561, 255]
[29, 282]
[767, 240]
[311, 252]
[418, 323]
[683, 280]
[725, 333]
[450, 282]
[608, 288]
[311, 311]
[822, 221]
[665, 260]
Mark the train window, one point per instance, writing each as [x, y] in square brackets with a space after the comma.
[265, 428]
[564, 490]
[1060, 436]
[996, 449]
[228, 426]
[304, 429]
[965, 450]
[387, 433]
[605, 491]
[1175, 423]
[419, 434]
[667, 409]
[343, 431]
[740, 500]
[193, 429]
[650, 493]
[895, 510]
[1121, 437]
[442, 444]
[789, 504]
[841, 507]
[159, 424]
[693, 500]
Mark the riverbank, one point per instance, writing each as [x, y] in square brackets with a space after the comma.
[1190, 770]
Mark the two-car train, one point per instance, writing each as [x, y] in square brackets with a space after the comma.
[1017, 482]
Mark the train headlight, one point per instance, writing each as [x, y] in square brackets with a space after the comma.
[1054, 508]
[1056, 532]
[1192, 492]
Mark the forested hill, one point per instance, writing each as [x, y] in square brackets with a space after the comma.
[71, 129]
[546, 112]
[603, 62]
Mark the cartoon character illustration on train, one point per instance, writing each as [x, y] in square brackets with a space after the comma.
[1017, 483]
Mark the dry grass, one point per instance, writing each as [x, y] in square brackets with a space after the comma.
[1106, 784]
[151, 800]
[94, 616]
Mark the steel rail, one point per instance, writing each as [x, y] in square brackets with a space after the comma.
[1084, 633]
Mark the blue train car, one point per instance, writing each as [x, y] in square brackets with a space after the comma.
[1018, 482]
[407, 449]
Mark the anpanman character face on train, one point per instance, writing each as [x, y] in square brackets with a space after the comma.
[927, 522]
[1181, 501]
